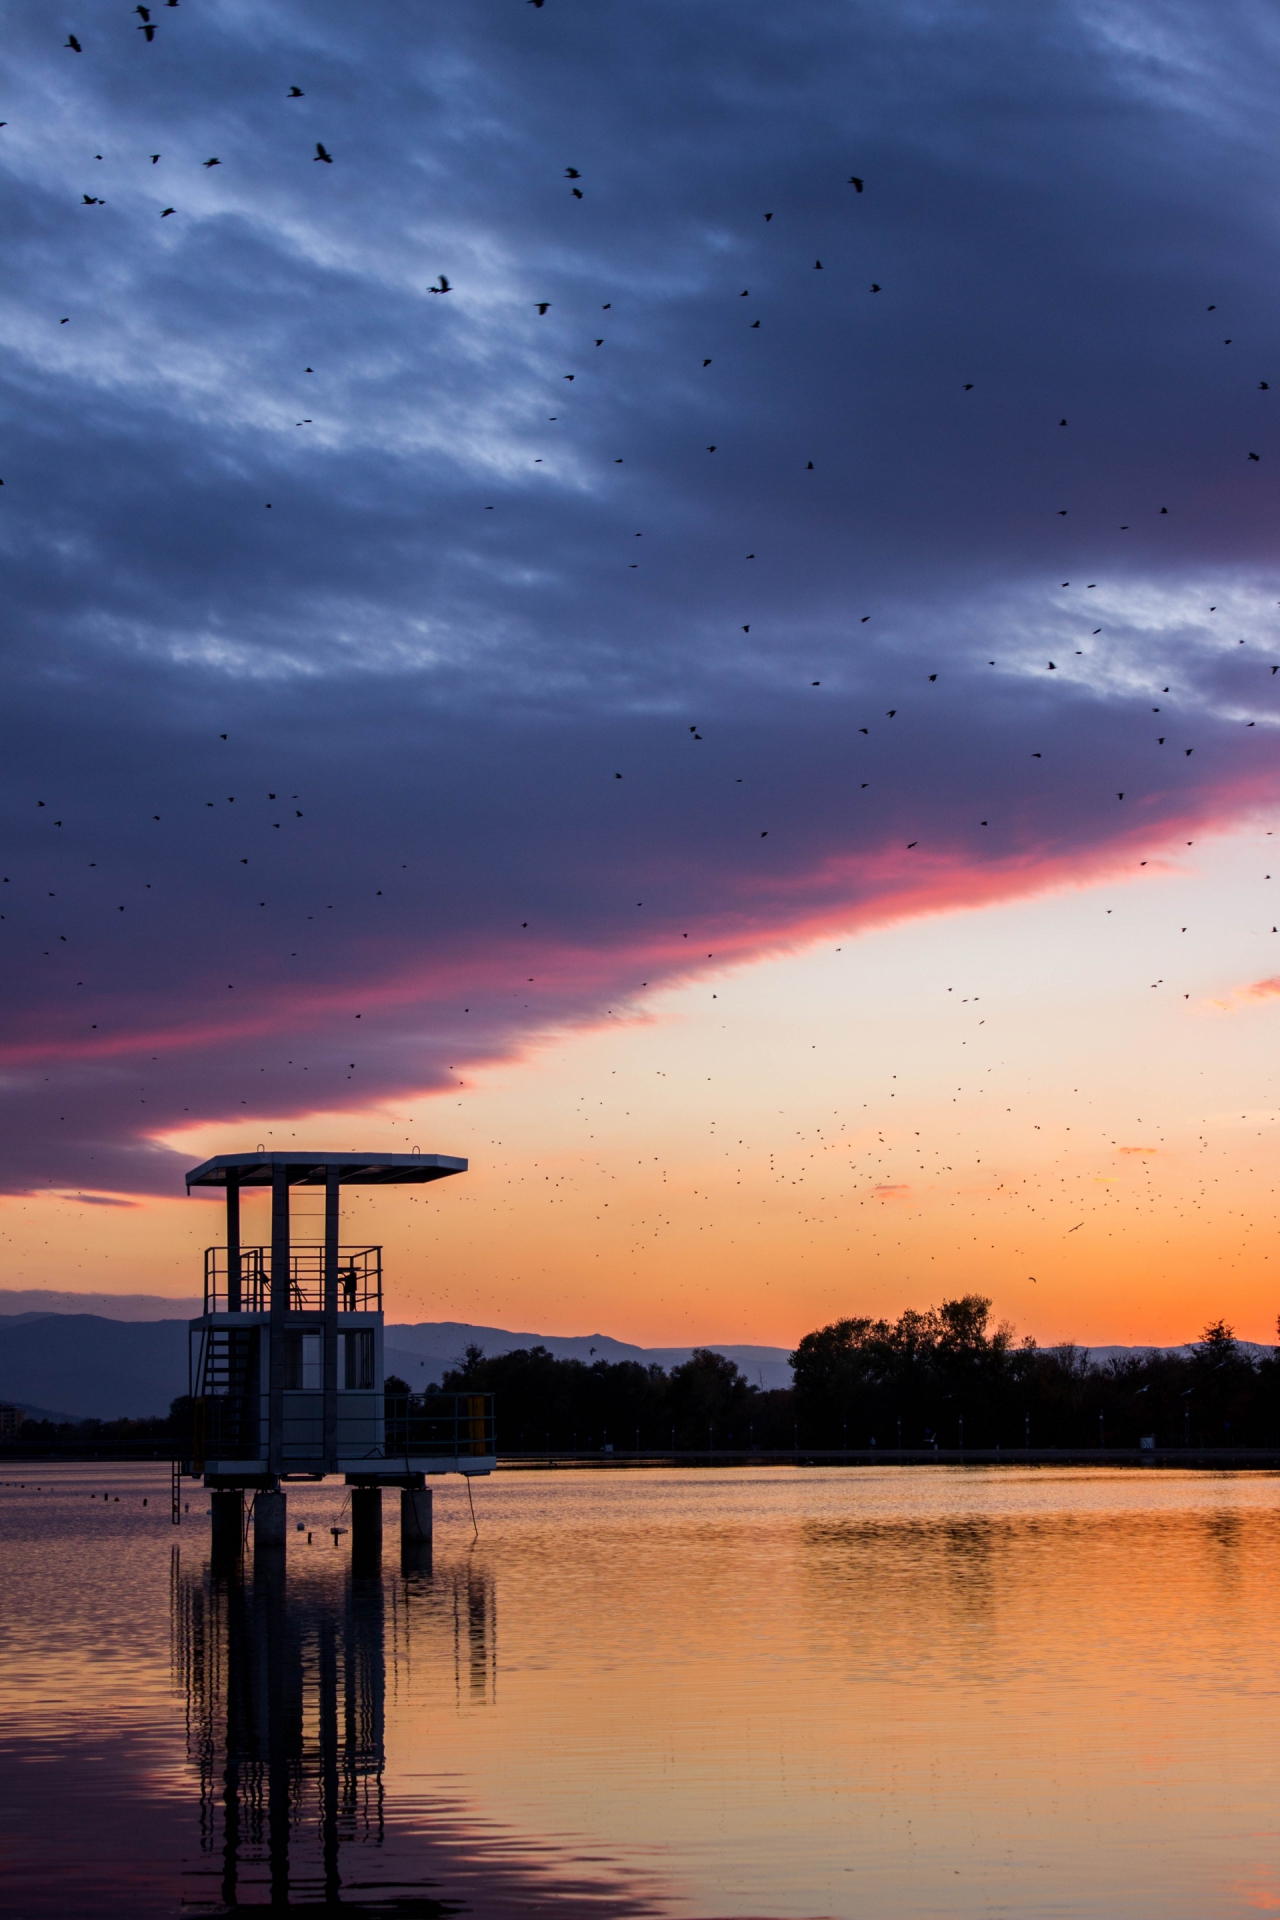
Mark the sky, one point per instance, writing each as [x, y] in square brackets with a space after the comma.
[826, 630]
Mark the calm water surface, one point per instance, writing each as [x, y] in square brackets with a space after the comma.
[869, 1693]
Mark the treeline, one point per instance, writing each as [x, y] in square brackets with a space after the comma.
[542, 1403]
[158, 1438]
[944, 1377]
[941, 1378]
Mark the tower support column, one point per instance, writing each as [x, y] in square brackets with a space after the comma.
[415, 1529]
[366, 1528]
[270, 1520]
[227, 1545]
[281, 1276]
[330, 1337]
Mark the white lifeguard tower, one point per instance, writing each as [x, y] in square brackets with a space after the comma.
[286, 1361]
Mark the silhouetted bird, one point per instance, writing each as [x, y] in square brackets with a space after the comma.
[320, 154]
[74, 44]
[215, 162]
[542, 305]
[444, 287]
[166, 213]
[855, 183]
[571, 173]
[294, 93]
[89, 201]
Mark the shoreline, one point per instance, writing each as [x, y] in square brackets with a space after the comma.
[1203, 1459]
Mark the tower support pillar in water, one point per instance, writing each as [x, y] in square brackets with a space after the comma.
[415, 1528]
[366, 1526]
[270, 1520]
[228, 1525]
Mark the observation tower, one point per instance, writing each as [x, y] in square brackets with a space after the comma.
[286, 1361]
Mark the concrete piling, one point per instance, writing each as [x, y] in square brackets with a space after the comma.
[228, 1525]
[366, 1528]
[415, 1529]
[270, 1520]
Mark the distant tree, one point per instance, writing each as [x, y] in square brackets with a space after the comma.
[708, 1397]
[1218, 1346]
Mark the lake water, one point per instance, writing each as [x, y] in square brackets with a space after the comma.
[785, 1692]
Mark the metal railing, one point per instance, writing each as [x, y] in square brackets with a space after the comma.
[359, 1279]
[426, 1426]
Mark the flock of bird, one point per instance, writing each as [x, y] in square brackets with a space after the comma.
[577, 190]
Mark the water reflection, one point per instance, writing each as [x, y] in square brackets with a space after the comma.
[284, 1674]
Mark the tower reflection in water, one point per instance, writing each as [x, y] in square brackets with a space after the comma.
[284, 1671]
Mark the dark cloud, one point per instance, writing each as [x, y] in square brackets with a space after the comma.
[442, 641]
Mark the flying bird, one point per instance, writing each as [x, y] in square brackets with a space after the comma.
[855, 183]
[875, 288]
[1254, 456]
[817, 264]
[320, 154]
[571, 173]
[215, 162]
[444, 287]
[149, 30]
[295, 93]
[577, 193]
[74, 44]
[143, 13]
[542, 305]
[166, 213]
[154, 158]
[89, 201]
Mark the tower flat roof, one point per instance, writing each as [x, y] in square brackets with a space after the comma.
[309, 1169]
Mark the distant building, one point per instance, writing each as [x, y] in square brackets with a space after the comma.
[11, 1418]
